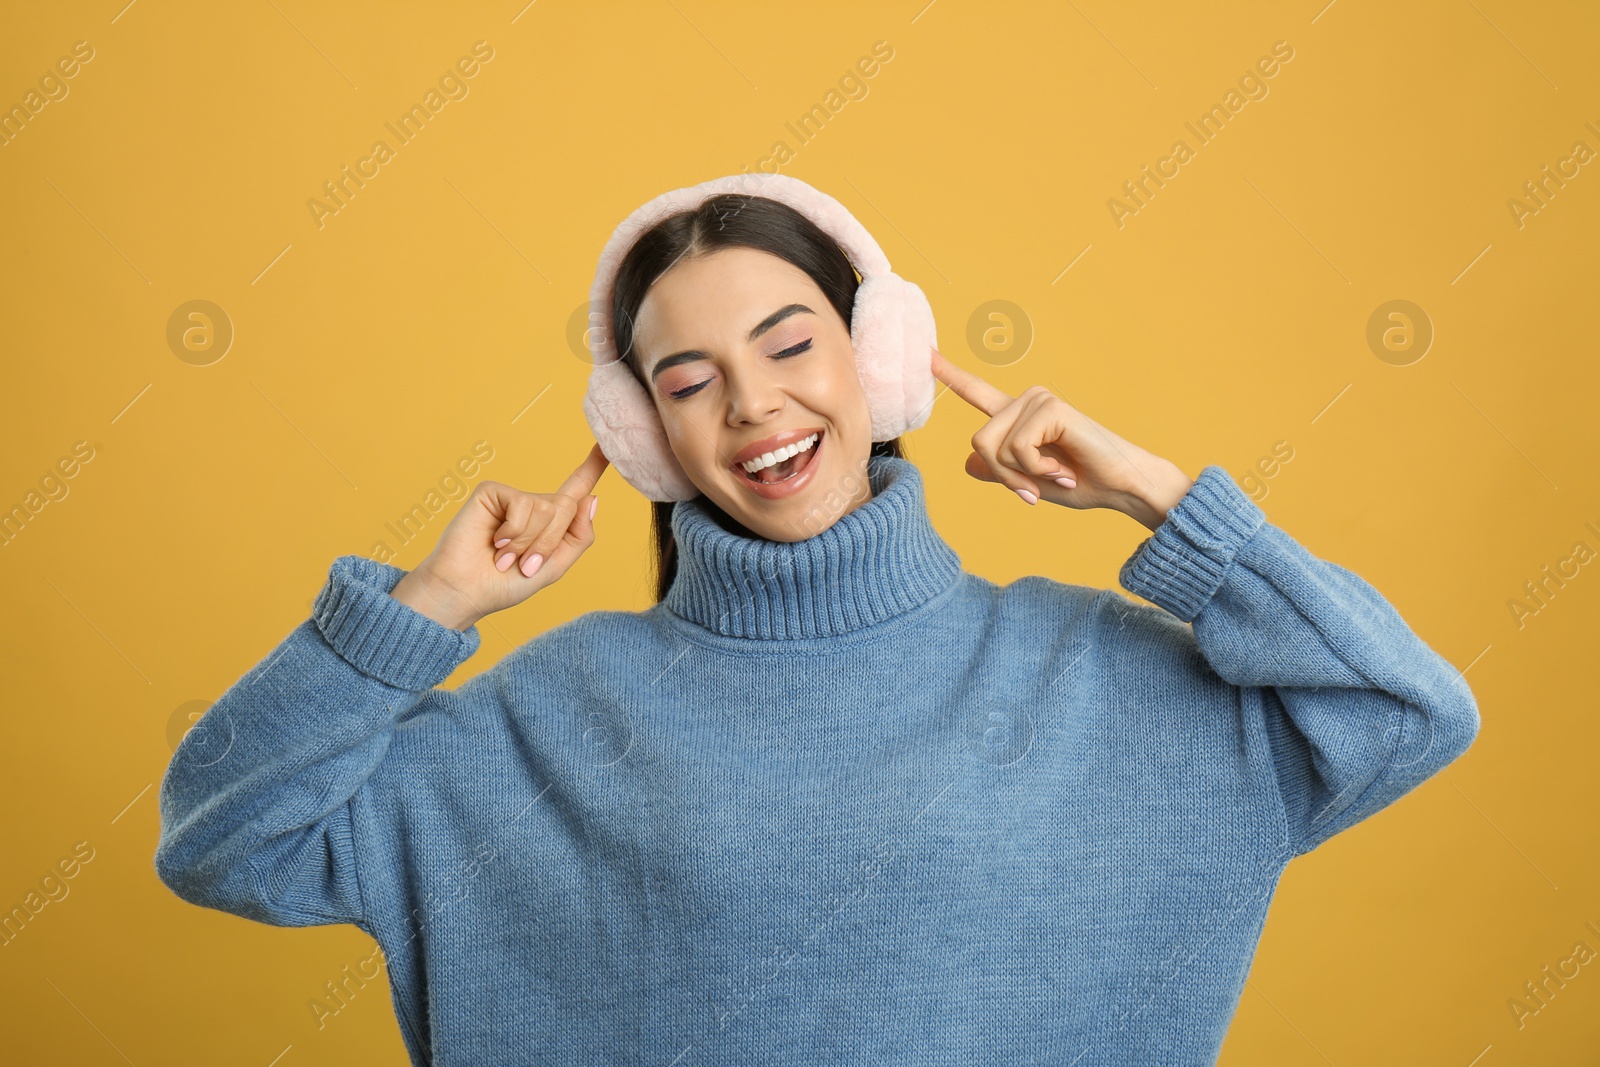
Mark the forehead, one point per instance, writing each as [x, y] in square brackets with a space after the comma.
[717, 298]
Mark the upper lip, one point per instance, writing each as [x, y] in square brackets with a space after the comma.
[772, 444]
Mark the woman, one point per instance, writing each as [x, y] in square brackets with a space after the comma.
[831, 798]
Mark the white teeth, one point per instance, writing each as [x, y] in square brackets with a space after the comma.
[767, 459]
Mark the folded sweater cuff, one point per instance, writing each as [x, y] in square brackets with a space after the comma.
[380, 636]
[1184, 562]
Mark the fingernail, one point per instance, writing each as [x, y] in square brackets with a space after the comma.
[1067, 482]
[504, 561]
[531, 564]
[1029, 497]
[503, 542]
[594, 505]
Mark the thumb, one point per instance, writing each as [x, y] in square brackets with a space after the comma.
[583, 521]
[575, 541]
[979, 469]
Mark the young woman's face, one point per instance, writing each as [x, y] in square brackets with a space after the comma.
[744, 355]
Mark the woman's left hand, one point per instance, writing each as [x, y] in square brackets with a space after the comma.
[1032, 439]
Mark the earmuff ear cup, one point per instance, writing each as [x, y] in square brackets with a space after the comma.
[622, 417]
[918, 386]
[892, 331]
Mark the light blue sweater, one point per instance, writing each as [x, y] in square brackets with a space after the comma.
[832, 801]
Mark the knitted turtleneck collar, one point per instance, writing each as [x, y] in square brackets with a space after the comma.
[880, 560]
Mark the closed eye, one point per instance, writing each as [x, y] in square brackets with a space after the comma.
[793, 350]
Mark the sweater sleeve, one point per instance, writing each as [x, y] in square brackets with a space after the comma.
[1357, 709]
[256, 803]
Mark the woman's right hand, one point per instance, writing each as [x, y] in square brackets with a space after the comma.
[485, 559]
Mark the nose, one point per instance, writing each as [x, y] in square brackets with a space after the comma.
[754, 394]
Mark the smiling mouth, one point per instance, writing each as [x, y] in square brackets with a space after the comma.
[789, 467]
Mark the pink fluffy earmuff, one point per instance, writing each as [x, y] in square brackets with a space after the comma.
[891, 330]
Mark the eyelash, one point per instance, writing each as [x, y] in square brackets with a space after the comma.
[795, 350]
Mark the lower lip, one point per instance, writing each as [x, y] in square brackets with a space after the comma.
[779, 490]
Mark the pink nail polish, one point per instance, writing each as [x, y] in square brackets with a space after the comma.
[504, 561]
[594, 505]
[1066, 482]
[503, 542]
[531, 564]
[1029, 497]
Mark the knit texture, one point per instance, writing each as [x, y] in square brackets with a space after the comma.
[832, 801]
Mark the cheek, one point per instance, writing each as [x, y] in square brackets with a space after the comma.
[832, 374]
[840, 386]
[688, 441]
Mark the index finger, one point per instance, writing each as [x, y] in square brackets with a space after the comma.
[969, 387]
[582, 481]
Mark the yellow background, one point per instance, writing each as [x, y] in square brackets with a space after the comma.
[1228, 314]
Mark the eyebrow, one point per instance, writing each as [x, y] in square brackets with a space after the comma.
[692, 354]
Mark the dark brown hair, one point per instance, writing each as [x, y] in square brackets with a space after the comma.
[730, 220]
